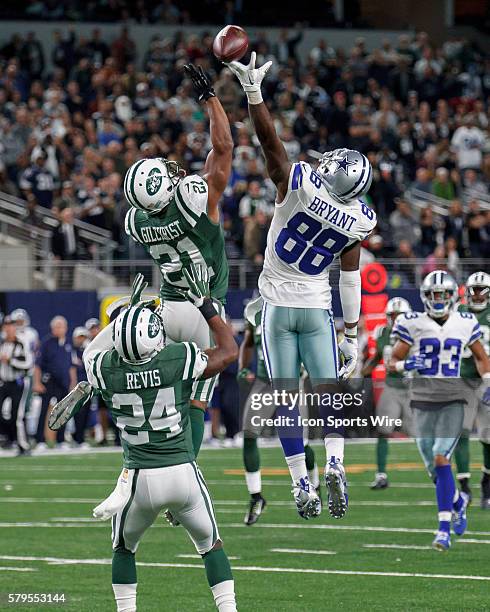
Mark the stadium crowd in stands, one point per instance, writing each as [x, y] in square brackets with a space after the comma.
[418, 111]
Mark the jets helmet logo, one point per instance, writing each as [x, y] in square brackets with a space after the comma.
[154, 181]
[154, 326]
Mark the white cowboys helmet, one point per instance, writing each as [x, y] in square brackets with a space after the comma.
[150, 183]
[19, 314]
[347, 174]
[397, 305]
[439, 293]
[138, 334]
[478, 285]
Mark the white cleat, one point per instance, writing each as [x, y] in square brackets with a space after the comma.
[338, 500]
[307, 501]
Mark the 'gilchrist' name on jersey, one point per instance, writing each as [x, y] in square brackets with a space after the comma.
[151, 234]
[332, 214]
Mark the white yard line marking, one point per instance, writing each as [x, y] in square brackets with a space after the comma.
[261, 525]
[51, 525]
[398, 546]
[303, 551]
[470, 541]
[17, 569]
[256, 568]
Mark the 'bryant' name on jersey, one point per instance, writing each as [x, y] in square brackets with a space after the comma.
[331, 213]
[166, 232]
[142, 380]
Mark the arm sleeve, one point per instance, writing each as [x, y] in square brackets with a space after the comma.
[197, 427]
[102, 342]
[195, 363]
[401, 330]
[350, 295]
[130, 224]
[476, 334]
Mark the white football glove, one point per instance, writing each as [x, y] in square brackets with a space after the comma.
[250, 77]
[348, 349]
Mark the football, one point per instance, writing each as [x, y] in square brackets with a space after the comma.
[231, 43]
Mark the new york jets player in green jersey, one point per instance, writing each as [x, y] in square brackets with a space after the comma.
[252, 341]
[147, 386]
[393, 402]
[477, 302]
[176, 218]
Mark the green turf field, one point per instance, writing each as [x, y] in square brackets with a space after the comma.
[377, 558]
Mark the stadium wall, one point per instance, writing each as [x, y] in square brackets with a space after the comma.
[78, 306]
[142, 34]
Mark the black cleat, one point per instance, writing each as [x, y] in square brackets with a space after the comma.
[255, 509]
[464, 486]
[485, 492]
[380, 481]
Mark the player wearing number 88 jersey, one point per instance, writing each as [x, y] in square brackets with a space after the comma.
[318, 217]
[431, 344]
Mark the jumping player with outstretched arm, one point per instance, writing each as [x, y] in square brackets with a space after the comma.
[318, 217]
[176, 218]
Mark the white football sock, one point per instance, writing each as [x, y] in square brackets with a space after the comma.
[334, 448]
[254, 482]
[125, 595]
[314, 477]
[224, 596]
[297, 466]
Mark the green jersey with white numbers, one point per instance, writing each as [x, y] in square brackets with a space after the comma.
[183, 233]
[150, 402]
[468, 366]
[384, 346]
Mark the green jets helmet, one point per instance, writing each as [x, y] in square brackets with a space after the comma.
[150, 183]
[478, 286]
[138, 334]
[397, 305]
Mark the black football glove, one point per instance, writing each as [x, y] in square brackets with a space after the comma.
[201, 81]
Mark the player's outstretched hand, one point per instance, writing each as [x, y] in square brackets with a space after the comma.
[348, 349]
[249, 76]
[139, 285]
[197, 277]
[201, 81]
[415, 362]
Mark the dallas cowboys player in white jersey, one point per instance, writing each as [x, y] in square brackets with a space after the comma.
[318, 217]
[431, 344]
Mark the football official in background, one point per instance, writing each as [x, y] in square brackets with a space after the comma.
[54, 374]
[15, 362]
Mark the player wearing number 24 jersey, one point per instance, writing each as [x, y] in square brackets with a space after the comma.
[318, 217]
[431, 344]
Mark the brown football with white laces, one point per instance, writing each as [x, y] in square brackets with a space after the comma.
[230, 44]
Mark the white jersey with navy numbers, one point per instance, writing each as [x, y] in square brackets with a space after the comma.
[442, 346]
[308, 231]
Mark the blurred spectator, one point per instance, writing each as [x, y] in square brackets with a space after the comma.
[404, 224]
[454, 225]
[80, 341]
[37, 182]
[467, 142]
[477, 223]
[442, 187]
[54, 375]
[65, 246]
[452, 258]
[428, 232]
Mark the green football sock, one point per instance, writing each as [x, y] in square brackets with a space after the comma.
[217, 566]
[462, 457]
[382, 454]
[123, 567]
[486, 456]
[251, 455]
[309, 457]
[197, 427]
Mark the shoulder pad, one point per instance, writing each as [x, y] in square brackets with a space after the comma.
[191, 198]
[131, 223]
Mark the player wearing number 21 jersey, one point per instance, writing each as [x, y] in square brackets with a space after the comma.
[318, 217]
[176, 219]
[431, 344]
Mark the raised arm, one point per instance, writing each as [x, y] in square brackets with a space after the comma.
[218, 163]
[277, 162]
